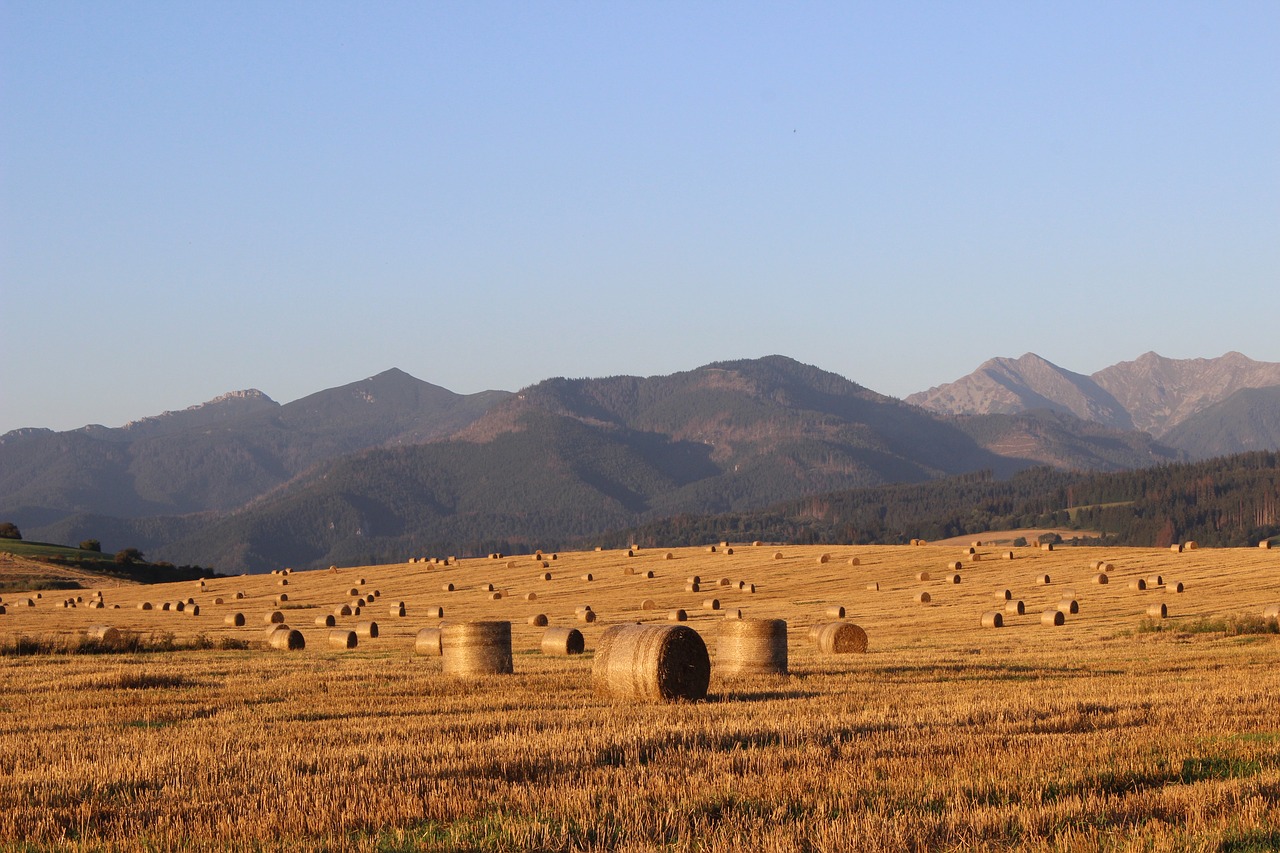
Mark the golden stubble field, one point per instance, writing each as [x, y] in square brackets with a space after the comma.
[1098, 734]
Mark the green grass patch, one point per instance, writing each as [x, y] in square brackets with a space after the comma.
[1229, 626]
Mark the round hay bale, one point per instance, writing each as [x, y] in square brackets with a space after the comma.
[661, 663]
[825, 558]
[1272, 611]
[711, 549]
[193, 610]
[144, 605]
[588, 577]
[511, 564]
[668, 556]
[587, 616]
[396, 610]
[287, 639]
[992, 619]
[954, 566]
[1046, 546]
[649, 575]
[1004, 594]
[752, 647]
[1190, 545]
[530, 596]
[476, 648]
[333, 570]
[834, 613]
[975, 558]
[367, 630]
[538, 620]
[1101, 578]
[710, 604]
[447, 587]
[353, 593]
[1155, 580]
[628, 570]
[239, 595]
[355, 611]
[495, 596]
[777, 555]
[1176, 548]
[1069, 605]
[274, 617]
[284, 581]
[1176, 587]
[582, 608]
[854, 561]
[922, 576]
[327, 621]
[677, 616]
[218, 601]
[563, 641]
[953, 579]
[648, 604]
[1265, 544]
[342, 610]
[725, 582]
[630, 553]
[1008, 555]
[546, 576]
[1157, 611]
[693, 579]
[104, 634]
[692, 587]
[923, 598]
[1137, 584]
[1015, 607]
[1042, 580]
[840, 638]
[282, 598]
[427, 642]
[486, 587]
[235, 620]
[1052, 618]
[168, 605]
[874, 586]
[733, 613]
[341, 638]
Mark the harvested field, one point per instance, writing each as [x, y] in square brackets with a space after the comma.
[1112, 731]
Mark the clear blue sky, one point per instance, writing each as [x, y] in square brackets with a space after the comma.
[202, 197]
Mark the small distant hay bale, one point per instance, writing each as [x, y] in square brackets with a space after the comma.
[341, 638]
[1004, 594]
[1157, 611]
[168, 605]
[841, 638]
[361, 581]
[1189, 545]
[854, 561]
[1155, 580]
[677, 616]
[353, 592]
[367, 630]
[1008, 555]
[1042, 580]
[923, 598]
[733, 613]
[668, 556]
[725, 582]
[974, 558]
[586, 616]
[342, 610]
[752, 647]
[104, 634]
[274, 617]
[326, 621]
[777, 555]
[874, 586]
[495, 596]
[970, 550]
[756, 544]
[427, 642]
[486, 587]
[833, 613]
[218, 601]
[1046, 546]
[355, 611]
[546, 564]
[1101, 578]
[234, 620]
[662, 663]
[742, 585]
[692, 587]
[582, 608]
[711, 549]
[1069, 605]
[588, 577]
[511, 564]
[1015, 607]
[825, 558]
[239, 595]
[711, 604]
[1176, 587]
[630, 553]
[286, 639]
[396, 610]
[284, 581]
[476, 648]
[282, 598]
[648, 604]
[530, 596]
[953, 579]
[333, 570]
[993, 619]
[562, 641]
[1265, 544]
[448, 587]
[922, 576]
[546, 576]
[1176, 548]
[628, 570]
[649, 575]
[193, 610]
[538, 620]
[1052, 618]
[693, 579]
[954, 566]
[144, 605]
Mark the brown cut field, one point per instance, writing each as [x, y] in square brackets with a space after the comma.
[1113, 731]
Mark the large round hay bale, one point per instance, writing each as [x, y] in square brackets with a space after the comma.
[234, 620]
[1157, 611]
[476, 648]
[367, 630]
[104, 634]
[286, 639]
[923, 598]
[563, 641]
[326, 621]
[1265, 544]
[752, 647]
[840, 638]
[192, 610]
[1052, 617]
[427, 642]
[1101, 578]
[652, 662]
[711, 604]
[538, 620]
[677, 615]
[834, 613]
[992, 619]
[274, 617]
[1015, 607]
[341, 638]
[1069, 605]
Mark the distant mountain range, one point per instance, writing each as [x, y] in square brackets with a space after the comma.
[392, 466]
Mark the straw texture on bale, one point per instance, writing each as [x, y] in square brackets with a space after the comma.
[1069, 605]
[923, 598]
[922, 576]
[1101, 578]
[341, 638]
[286, 639]
[752, 647]
[563, 641]
[692, 587]
[835, 612]
[1137, 584]
[1015, 607]
[1004, 594]
[841, 638]
[1052, 617]
[648, 604]
[427, 642]
[1042, 580]
[367, 630]
[588, 577]
[677, 616]
[275, 617]
[824, 558]
[104, 633]
[711, 604]
[660, 663]
[234, 620]
[992, 619]
[396, 609]
[538, 620]
[144, 605]
[476, 648]
[874, 586]
[953, 579]
[447, 587]
[1157, 611]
